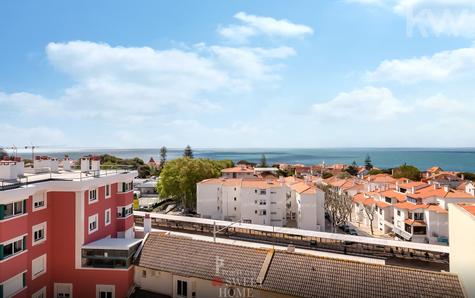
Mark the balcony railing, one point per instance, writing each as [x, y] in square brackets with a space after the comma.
[30, 177]
[402, 233]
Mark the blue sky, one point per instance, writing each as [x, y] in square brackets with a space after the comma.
[348, 73]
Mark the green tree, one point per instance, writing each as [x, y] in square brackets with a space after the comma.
[188, 152]
[467, 175]
[144, 171]
[407, 171]
[327, 175]
[375, 172]
[179, 177]
[163, 156]
[247, 163]
[263, 162]
[367, 162]
[352, 169]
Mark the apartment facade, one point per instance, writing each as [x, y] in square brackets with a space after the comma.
[412, 210]
[57, 229]
[273, 202]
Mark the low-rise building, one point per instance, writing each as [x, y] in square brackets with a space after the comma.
[184, 267]
[262, 201]
[462, 242]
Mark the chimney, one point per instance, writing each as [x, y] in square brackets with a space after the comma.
[66, 163]
[463, 177]
[85, 164]
[147, 223]
[291, 248]
[95, 163]
[446, 188]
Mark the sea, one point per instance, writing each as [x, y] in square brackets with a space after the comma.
[450, 159]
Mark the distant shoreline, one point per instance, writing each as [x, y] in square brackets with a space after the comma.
[454, 159]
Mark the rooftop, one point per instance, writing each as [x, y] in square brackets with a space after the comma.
[293, 274]
[112, 243]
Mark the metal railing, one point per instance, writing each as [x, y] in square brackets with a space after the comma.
[46, 174]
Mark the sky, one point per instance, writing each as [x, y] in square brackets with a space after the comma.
[237, 74]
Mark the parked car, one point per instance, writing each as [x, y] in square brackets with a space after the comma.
[352, 232]
[344, 228]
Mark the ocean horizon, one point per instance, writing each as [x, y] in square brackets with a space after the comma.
[454, 159]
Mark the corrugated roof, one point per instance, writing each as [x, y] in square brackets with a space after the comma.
[292, 273]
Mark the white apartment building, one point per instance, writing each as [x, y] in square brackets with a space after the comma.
[262, 201]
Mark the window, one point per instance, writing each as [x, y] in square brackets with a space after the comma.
[418, 216]
[39, 233]
[262, 212]
[235, 208]
[107, 217]
[411, 200]
[93, 223]
[108, 191]
[388, 200]
[63, 290]
[13, 285]
[262, 192]
[124, 211]
[262, 202]
[144, 273]
[40, 294]
[12, 247]
[105, 291]
[39, 201]
[93, 195]
[126, 186]
[399, 213]
[13, 209]
[234, 198]
[181, 288]
[38, 266]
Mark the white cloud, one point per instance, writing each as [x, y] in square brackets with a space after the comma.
[438, 67]
[257, 25]
[35, 135]
[120, 88]
[366, 104]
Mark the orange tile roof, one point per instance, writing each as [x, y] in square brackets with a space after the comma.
[400, 197]
[238, 170]
[437, 208]
[413, 184]
[359, 198]
[410, 206]
[381, 178]
[382, 204]
[432, 191]
[263, 184]
[417, 223]
[469, 208]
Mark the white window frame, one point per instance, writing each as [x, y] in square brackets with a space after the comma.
[127, 207]
[107, 211]
[66, 285]
[90, 192]
[12, 241]
[41, 293]
[39, 197]
[35, 228]
[20, 275]
[105, 288]
[92, 218]
[107, 187]
[39, 273]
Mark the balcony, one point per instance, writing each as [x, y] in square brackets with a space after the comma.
[114, 253]
[407, 236]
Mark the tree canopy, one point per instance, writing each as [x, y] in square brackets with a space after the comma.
[179, 177]
[352, 169]
[407, 171]
[188, 152]
[367, 162]
[163, 156]
[263, 162]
